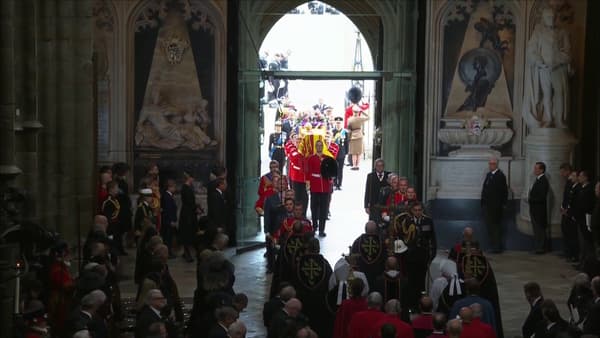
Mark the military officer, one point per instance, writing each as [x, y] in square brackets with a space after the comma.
[112, 209]
[144, 215]
[341, 138]
[417, 231]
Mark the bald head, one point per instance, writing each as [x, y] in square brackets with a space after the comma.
[454, 328]
[100, 223]
[374, 300]
[468, 234]
[287, 293]
[371, 228]
[293, 307]
[439, 321]
[426, 304]
[393, 307]
[237, 329]
[466, 314]
[391, 263]
[477, 310]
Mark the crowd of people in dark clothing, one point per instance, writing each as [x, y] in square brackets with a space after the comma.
[378, 289]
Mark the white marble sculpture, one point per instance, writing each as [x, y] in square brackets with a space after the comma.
[546, 99]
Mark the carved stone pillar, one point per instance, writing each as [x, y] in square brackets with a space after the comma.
[248, 161]
[84, 173]
[27, 102]
[47, 111]
[8, 168]
[398, 111]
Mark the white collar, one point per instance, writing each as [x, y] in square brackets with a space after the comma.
[550, 326]
[170, 193]
[495, 171]
[157, 312]
[87, 313]
[540, 175]
[535, 301]
[219, 190]
[223, 326]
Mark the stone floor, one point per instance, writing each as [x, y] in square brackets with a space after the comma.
[512, 269]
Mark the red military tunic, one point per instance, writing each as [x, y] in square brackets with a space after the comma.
[287, 227]
[348, 113]
[296, 163]
[334, 149]
[318, 184]
[265, 189]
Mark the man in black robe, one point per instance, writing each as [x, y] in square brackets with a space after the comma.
[311, 280]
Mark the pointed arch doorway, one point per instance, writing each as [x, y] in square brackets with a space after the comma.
[390, 73]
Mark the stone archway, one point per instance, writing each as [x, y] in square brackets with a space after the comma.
[389, 27]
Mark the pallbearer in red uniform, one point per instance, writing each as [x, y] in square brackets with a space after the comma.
[320, 189]
[265, 187]
[296, 167]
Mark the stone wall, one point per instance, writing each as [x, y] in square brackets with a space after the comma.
[47, 113]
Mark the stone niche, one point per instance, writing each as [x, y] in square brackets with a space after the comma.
[473, 83]
[177, 101]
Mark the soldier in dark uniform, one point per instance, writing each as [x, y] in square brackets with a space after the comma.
[417, 231]
[144, 215]
[111, 208]
[341, 138]
[276, 143]
[120, 171]
[311, 281]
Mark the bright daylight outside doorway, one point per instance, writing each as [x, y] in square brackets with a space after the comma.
[328, 41]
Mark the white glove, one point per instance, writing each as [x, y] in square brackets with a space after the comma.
[386, 218]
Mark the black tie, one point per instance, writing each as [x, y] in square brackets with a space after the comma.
[380, 176]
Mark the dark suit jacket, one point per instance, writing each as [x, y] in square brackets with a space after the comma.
[281, 320]
[145, 318]
[274, 213]
[169, 209]
[373, 187]
[583, 203]
[592, 322]
[217, 331]
[534, 318]
[494, 193]
[270, 308]
[560, 327]
[217, 210]
[538, 199]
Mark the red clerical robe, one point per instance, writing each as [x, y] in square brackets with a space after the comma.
[403, 330]
[363, 323]
[344, 314]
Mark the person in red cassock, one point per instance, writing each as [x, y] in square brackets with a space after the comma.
[60, 297]
[392, 316]
[356, 303]
[363, 322]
